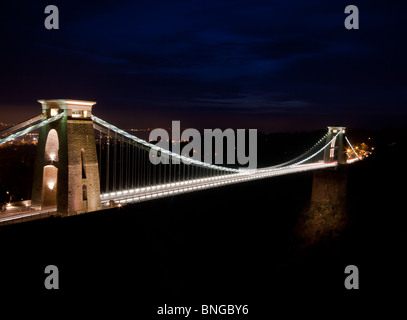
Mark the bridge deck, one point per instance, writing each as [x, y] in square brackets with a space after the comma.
[164, 190]
[15, 216]
[170, 189]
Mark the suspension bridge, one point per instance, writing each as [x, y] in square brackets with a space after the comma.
[85, 164]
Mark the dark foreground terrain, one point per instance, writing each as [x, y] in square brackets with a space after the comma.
[231, 245]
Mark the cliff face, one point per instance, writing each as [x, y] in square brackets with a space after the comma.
[327, 216]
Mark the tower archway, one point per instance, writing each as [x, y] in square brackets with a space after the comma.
[49, 186]
[52, 146]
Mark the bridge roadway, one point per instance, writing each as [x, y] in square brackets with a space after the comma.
[169, 189]
[25, 214]
[164, 190]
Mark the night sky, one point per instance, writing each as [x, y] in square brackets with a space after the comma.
[272, 65]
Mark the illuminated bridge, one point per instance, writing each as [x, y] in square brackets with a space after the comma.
[85, 164]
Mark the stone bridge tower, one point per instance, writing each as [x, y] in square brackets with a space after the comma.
[66, 173]
[336, 150]
[327, 216]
